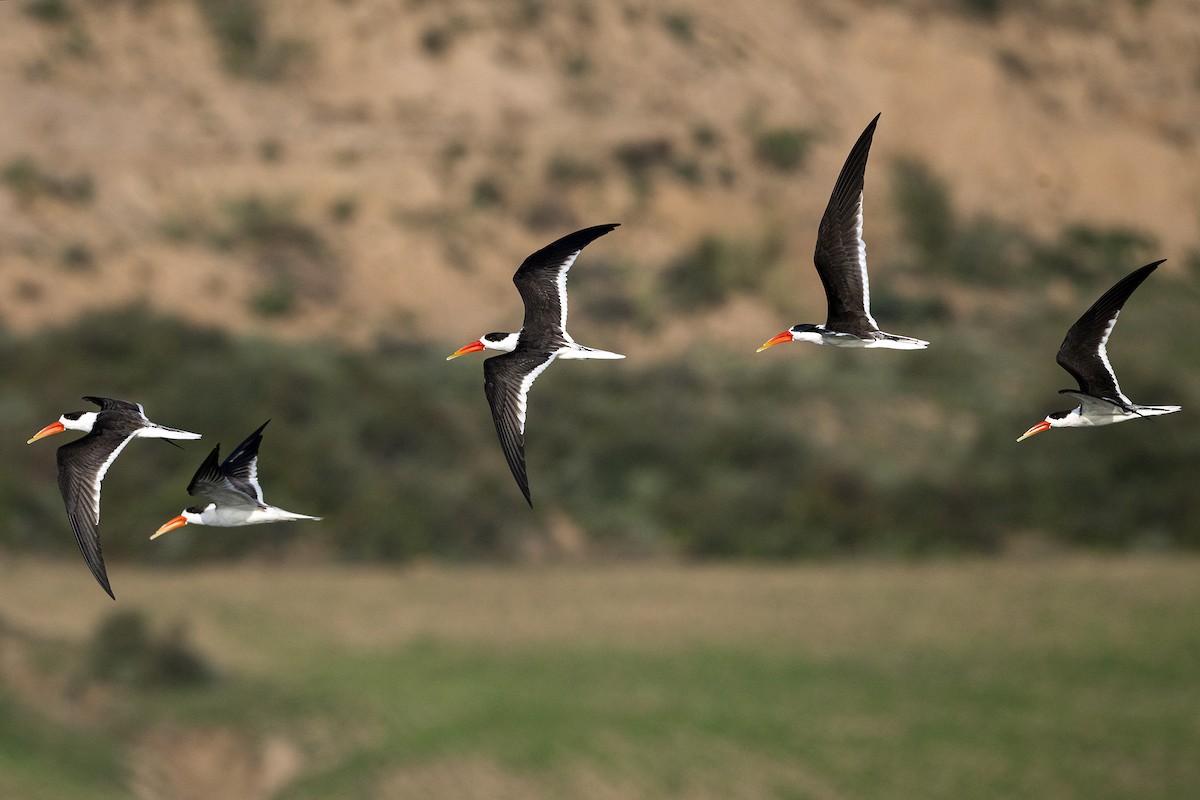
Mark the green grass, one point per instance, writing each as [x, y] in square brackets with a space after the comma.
[1071, 678]
[41, 760]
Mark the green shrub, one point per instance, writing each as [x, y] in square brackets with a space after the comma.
[784, 149]
[28, 181]
[239, 27]
[240, 30]
[1091, 251]
[50, 11]
[270, 222]
[436, 41]
[276, 300]
[566, 170]
[343, 209]
[77, 256]
[987, 9]
[577, 65]
[923, 202]
[487, 193]
[680, 25]
[717, 267]
[550, 213]
[705, 136]
[270, 151]
[639, 158]
[125, 650]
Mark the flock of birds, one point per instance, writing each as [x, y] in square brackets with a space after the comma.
[841, 260]
[232, 485]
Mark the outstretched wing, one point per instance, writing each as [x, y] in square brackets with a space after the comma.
[841, 253]
[241, 466]
[1084, 351]
[211, 481]
[82, 465]
[542, 281]
[121, 406]
[506, 382]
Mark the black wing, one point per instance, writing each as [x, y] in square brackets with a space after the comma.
[81, 468]
[123, 407]
[1084, 352]
[211, 481]
[841, 254]
[241, 466]
[542, 282]
[506, 382]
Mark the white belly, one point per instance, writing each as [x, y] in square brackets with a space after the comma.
[226, 517]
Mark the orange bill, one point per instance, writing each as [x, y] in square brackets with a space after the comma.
[49, 430]
[1041, 426]
[170, 525]
[786, 336]
[473, 347]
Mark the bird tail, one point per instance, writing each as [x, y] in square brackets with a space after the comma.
[587, 352]
[1153, 411]
[288, 516]
[163, 432]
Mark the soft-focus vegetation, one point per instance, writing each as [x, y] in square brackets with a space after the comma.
[985, 251]
[127, 651]
[785, 149]
[28, 180]
[240, 31]
[793, 452]
[716, 268]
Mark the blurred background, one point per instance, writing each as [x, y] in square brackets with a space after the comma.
[799, 574]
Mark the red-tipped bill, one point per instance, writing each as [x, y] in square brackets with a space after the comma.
[1041, 426]
[473, 347]
[786, 336]
[170, 525]
[49, 430]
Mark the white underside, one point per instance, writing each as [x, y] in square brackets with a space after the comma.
[225, 517]
[834, 339]
[579, 351]
[1100, 413]
[159, 432]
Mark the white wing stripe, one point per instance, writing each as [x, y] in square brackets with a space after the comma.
[523, 390]
[862, 259]
[252, 478]
[561, 284]
[99, 476]
[1102, 351]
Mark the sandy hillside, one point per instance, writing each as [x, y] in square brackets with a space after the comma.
[368, 165]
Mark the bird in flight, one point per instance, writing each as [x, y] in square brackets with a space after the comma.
[841, 260]
[232, 486]
[542, 283]
[83, 463]
[1084, 354]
